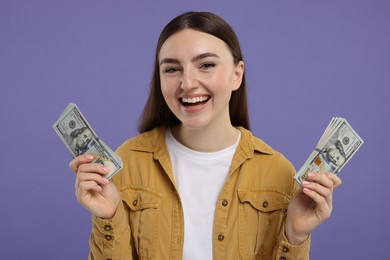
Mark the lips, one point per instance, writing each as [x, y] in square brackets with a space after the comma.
[193, 101]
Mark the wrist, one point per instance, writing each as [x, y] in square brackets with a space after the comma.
[296, 241]
[294, 238]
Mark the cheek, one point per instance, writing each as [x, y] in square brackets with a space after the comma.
[167, 90]
[164, 87]
[222, 80]
[221, 86]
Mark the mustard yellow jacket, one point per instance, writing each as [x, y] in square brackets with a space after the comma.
[249, 216]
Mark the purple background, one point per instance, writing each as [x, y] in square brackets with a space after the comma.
[306, 61]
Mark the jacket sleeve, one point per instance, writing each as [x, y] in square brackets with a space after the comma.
[111, 238]
[285, 250]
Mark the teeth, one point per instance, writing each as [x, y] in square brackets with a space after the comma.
[194, 99]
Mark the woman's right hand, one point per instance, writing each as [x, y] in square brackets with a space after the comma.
[93, 191]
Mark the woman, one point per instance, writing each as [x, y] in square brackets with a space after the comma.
[196, 184]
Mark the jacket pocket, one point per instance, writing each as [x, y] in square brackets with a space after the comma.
[261, 213]
[144, 216]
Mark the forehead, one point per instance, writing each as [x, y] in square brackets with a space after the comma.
[191, 42]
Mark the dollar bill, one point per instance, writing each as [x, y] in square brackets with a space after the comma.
[337, 145]
[79, 137]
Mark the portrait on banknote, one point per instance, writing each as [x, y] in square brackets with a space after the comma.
[79, 140]
[333, 153]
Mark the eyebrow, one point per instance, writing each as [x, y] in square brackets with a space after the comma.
[194, 59]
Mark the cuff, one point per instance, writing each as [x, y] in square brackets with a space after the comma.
[106, 231]
[288, 251]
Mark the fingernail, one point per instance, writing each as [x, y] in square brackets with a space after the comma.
[305, 183]
[89, 157]
[106, 169]
[311, 174]
[105, 180]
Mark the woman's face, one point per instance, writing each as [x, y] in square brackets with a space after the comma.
[198, 75]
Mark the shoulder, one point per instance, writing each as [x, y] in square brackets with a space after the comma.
[139, 155]
[254, 145]
[145, 142]
[268, 164]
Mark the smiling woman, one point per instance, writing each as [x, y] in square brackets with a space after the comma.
[199, 66]
[196, 184]
[156, 111]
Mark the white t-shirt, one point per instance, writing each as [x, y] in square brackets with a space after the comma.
[199, 177]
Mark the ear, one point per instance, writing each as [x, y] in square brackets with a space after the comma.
[238, 74]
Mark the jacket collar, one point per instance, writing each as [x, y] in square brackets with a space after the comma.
[251, 144]
[154, 141]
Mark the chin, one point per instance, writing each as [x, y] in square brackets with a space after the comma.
[194, 124]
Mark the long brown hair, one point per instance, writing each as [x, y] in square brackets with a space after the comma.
[156, 112]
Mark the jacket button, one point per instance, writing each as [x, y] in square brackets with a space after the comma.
[108, 237]
[135, 202]
[225, 203]
[107, 227]
[285, 249]
[265, 204]
[221, 237]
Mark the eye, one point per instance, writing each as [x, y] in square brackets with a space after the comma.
[171, 70]
[207, 66]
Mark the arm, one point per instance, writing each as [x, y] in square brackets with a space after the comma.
[110, 236]
[287, 249]
[310, 207]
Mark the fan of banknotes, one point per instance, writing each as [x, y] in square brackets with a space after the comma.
[336, 147]
[79, 137]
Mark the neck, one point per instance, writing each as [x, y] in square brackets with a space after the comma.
[206, 140]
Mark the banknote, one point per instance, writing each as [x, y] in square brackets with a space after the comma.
[337, 145]
[79, 137]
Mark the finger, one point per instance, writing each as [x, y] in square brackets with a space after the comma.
[87, 177]
[320, 178]
[82, 159]
[321, 184]
[334, 178]
[323, 205]
[322, 190]
[96, 168]
[85, 188]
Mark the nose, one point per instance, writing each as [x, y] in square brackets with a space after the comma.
[188, 80]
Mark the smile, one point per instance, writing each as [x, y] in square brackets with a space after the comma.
[194, 100]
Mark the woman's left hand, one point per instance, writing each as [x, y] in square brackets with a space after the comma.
[311, 206]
